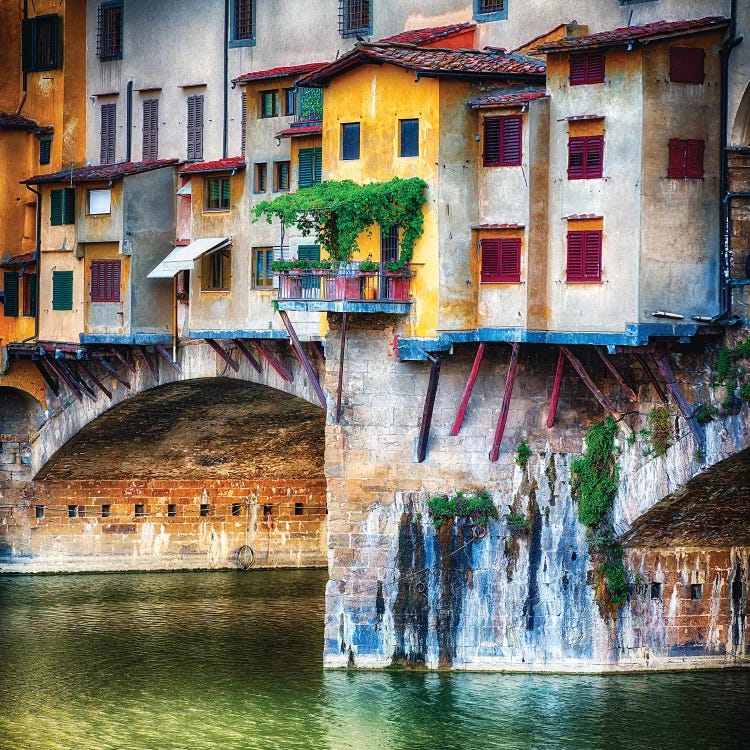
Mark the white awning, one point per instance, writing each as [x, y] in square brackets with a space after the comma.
[183, 258]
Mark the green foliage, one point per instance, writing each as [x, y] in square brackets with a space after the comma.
[595, 474]
[523, 453]
[660, 428]
[368, 266]
[478, 508]
[517, 521]
[311, 104]
[338, 212]
[615, 579]
[730, 375]
[705, 413]
[284, 266]
[699, 455]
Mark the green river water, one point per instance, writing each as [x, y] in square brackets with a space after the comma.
[166, 661]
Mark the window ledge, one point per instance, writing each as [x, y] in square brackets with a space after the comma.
[242, 42]
[217, 210]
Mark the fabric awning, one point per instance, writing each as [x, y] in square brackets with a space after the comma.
[183, 258]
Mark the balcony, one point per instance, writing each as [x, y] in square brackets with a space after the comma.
[346, 289]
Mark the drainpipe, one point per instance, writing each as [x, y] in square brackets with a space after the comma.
[37, 246]
[25, 75]
[725, 294]
[226, 78]
[129, 121]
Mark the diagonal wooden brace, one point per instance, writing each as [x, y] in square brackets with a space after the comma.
[303, 358]
[53, 384]
[556, 390]
[654, 381]
[86, 389]
[223, 354]
[665, 369]
[247, 354]
[96, 380]
[111, 370]
[150, 363]
[65, 377]
[168, 359]
[429, 406]
[273, 361]
[505, 408]
[125, 360]
[467, 391]
[629, 392]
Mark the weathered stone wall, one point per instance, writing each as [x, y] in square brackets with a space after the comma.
[284, 522]
[739, 182]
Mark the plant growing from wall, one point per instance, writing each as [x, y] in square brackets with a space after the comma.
[338, 212]
[730, 374]
[705, 413]
[523, 453]
[478, 508]
[660, 429]
[517, 522]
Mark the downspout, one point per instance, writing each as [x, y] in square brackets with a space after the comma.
[25, 75]
[37, 246]
[129, 121]
[226, 78]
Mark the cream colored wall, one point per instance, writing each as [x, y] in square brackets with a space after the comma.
[99, 227]
[107, 317]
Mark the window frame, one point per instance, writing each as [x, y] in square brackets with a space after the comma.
[101, 190]
[390, 243]
[315, 154]
[401, 124]
[67, 208]
[504, 123]
[346, 12]
[195, 126]
[45, 149]
[27, 300]
[109, 290]
[219, 272]
[235, 39]
[260, 177]
[108, 133]
[506, 272]
[40, 45]
[482, 16]
[278, 168]
[585, 76]
[349, 127]
[266, 254]
[109, 48]
[589, 144]
[150, 134]
[222, 207]
[584, 275]
[62, 282]
[274, 100]
[290, 101]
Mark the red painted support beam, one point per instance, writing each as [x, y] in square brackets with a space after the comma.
[96, 380]
[168, 359]
[223, 354]
[629, 392]
[341, 369]
[248, 355]
[503, 416]
[652, 378]
[303, 358]
[317, 349]
[116, 375]
[72, 387]
[125, 360]
[467, 391]
[48, 379]
[556, 390]
[86, 389]
[665, 369]
[429, 406]
[275, 364]
[151, 365]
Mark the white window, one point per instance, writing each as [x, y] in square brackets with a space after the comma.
[100, 202]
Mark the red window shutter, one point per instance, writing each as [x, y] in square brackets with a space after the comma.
[576, 157]
[490, 260]
[677, 158]
[594, 156]
[592, 255]
[595, 67]
[577, 69]
[491, 141]
[575, 256]
[510, 141]
[243, 125]
[687, 65]
[95, 282]
[105, 281]
[510, 259]
[694, 159]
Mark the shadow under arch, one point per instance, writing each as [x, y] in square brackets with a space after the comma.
[20, 412]
[740, 132]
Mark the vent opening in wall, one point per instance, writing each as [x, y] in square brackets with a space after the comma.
[299, 509]
[696, 591]
[655, 590]
[171, 510]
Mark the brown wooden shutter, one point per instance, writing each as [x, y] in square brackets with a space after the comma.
[108, 133]
[575, 256]
[677, 155]
[577, 69]
[195, 127]
[576, 157]
[150, 129]
[694, 159]
[592, 251]
[510, 259]
[490, 260]
[491, 142]
[687, 65]
[594, 156]
[595, 66]
[510, 145]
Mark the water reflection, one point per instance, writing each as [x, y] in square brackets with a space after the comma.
[187, 660]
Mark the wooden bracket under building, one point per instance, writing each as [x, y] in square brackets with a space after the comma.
[72, 386]
[86, 389]
[90, 372]
[304, 361]
[150, 363]
[168, 359]
[125, 360]
[248, 355]
[657, 385]
[223, 354]
[552, 414]
[503, 416]
[111, 370]
[467, 391]
[629, 392]
[273, 361]
[665, 369]
[429, 406]
[53, 384]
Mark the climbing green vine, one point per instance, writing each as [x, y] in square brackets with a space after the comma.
[730, 374]
[476, 508]
[659, 429]
[338, 212]
[523, 453]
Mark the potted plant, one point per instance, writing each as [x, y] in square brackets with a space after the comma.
[397, 273]
[183, 296]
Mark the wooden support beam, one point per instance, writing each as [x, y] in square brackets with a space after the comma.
[556, 390]
[598, 395]
[53, 384]
[467, 390]
[168, 359]
[505, 408]
[654, 381]
[72, 386]
[629, 392]
[248, 355]
[151, 364]
[125, 360]
[273, 361]
[303, 358]
[318, 351]
[429, 406]
[86, 389]
[665, 369]
[111, 370]
[89, 371]
[233, 363]
[341, 369]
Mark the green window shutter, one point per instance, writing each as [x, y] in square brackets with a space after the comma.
[306, 167]
[62, 290]
[31, 281]
[317, 166]
[225, 192]
[309, 252]
[56, 208]
[10, 285]
[69, 206]
[213, 191]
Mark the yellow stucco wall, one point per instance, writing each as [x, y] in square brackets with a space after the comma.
[24, 376]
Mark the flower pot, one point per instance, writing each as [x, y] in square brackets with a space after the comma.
[343, 287]
[290, 287]
[398, 287]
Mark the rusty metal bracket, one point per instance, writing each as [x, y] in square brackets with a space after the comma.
[505, 407]
[467, 390]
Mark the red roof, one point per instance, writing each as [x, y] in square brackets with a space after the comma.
[11, 261]
[430, 61]
[499, 226]
[19, 122]
[267, 75]
[425, 37]
[300, 130]
[649, 32]
[505, 98]
[220, 165]
[97, 172]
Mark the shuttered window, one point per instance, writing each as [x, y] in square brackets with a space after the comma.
[502, 141]
[310, 166]
[10, 289]
[687, 65]
[109, 31]
[409, 137]
[105, 280]
[501, 260]
[269, 103]
[150, 129]
[45, 149]
[62, 207]
[40, 41]
[262, 274]
[108, 133]
[217, 193]
[587, 67]
[350, 141]
[585, 157]
[29, 295]
[216, 271]
[62, 290]
[195, 127]
[686, 158]
[310, 253]
[355, 17]
[261, 177]
[389, 243]
[243, 124]
[243, 26]
[281, 176]
[585, 255]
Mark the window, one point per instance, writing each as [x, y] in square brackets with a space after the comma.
[585, 157]
[310, 253]
[655, 590]
[99, 202]
[696, 591]
[490, 10]
[105, 280]
[269, 103]
[585, 255]
[236, 509]
[686, 65]
[106, 511]
[502, 141]
[501, 260]
[205, 509]
[82, 511]
[195, 127]
[267, 509]
[171, 510]
[281, 176]
[261, 177]
[29, 295]
[355, 17]
[686, 159]
[289, 102]
[243, 21]
[139, 510]
[45, 149]
[108, 133]
[587, 67]
[217, 193]
[109, 31]
[310, 166]
[62, 290]
[299, 509]
[72, 511]
[40, 39]
[39, 511]
[389, 243]
[150, 129]
[10, 297]
[217, 271]
[409, 137]
[62, 207]
[350, 141]
[262, 274]
[243, 124]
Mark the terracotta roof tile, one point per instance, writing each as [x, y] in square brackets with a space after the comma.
[429, 35]
[93, 173]
[628, 34]
[300, 130]
[19, 122]
[271, 73]
[10, 261]
[506, 98]
[220, 165]
[498, 226]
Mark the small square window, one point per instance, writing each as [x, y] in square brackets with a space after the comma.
[40, 37]
[262, 274]
[289, 102]
[501, 260]
[99, 202]
[587, 67]
[299, 509]
[269, 103]
[139, 510]
[267, 509]
[236, 509]
[350, 141]
[39, 511]
[686, 159]
[45, 149]
[696, 591]
[490, 10]
[205, 509]
[261, 177]
[105, 511]
[72, 511]
[105, 280]
[585, 255]
[62, 207]
[355, 17]
[655, 590]
[216, 271]
[502, 141]
[687, 65]
[171, 510]
[409, 137]
[585, 157]
[217, 194]
[281, 176]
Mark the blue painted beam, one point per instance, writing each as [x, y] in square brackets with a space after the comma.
[141, 339]
[239, 333]
[345, 305]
